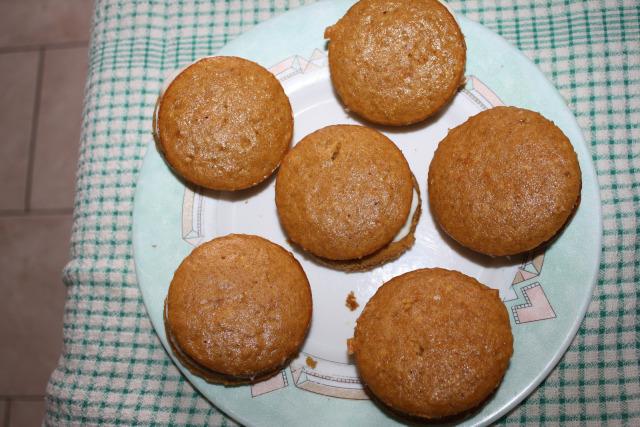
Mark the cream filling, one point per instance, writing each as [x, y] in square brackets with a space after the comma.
[406, 228]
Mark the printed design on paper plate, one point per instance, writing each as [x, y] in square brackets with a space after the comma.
[276, 382]
[326, 377]
[297, 64]
[530, 269]
[536, 306]
[331, 378]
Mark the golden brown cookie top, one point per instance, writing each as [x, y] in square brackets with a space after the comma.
[402, 242]
[504, 182]
[224, 123]
[205, 373]
[396, 62]
[239, 305]
[343, 192]
[433, 343]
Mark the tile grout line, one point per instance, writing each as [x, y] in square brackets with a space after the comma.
[11, 399]
[34, 130]
[7, 414]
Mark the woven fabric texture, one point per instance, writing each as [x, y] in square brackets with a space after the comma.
[114, 371]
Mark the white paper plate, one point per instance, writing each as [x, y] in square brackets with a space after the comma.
[546, 293]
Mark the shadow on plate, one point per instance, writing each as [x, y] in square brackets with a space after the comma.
[234, 196]
[485, 261]
[416, 127]
[414, 421]
[488, 261]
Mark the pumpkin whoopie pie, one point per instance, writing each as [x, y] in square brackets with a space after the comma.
[396, 62]
[432, 343]
[238, 309]
[223, 123]
[504, 182]
[343, 193]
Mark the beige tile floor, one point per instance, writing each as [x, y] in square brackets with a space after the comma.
[43, 62]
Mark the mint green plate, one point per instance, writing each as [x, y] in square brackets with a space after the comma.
[546, 293]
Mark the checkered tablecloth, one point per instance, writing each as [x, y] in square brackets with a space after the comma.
[114, 369]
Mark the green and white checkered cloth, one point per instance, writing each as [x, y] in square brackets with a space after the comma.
[114, 369]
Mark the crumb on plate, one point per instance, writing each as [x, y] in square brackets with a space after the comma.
[311, 363]
[351, 302]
